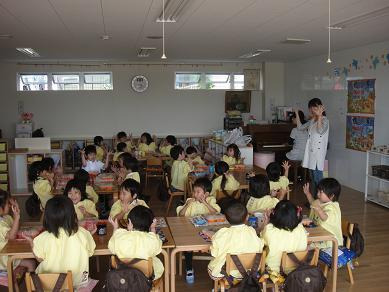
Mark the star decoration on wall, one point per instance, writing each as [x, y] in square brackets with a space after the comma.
[375, 62]
[355, 64]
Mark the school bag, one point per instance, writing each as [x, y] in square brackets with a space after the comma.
[127, 279]
[305, 278]
[250, 281]
[357, 241]
[38, 284]
[33, 205]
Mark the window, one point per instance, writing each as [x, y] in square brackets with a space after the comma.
[195, 80]
[32, 82]
[64, 81]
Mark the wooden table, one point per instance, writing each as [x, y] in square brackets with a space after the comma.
[187, 238]
[20, 249]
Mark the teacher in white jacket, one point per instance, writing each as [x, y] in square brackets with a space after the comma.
[316, 148]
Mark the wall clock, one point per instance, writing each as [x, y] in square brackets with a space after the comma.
[139, 83]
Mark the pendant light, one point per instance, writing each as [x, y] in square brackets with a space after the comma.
[163, 30]
[329, 33]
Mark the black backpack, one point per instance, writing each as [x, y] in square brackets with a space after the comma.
[305, 278]
[38, 133]
[357, 241]
[33, 206]
[127, 279]
[250, 282]
[38, 284]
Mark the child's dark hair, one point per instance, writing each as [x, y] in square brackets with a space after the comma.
[48, 164]
[124, 155]
[236, 213]
[4, 197]
[301, 116]
[35, 170]
[131, 185]
[204, 183]
[98, 140]
[121, 135]
[76, 184]
[171, 140]
[190, 150]
[331, 187]
[60, 213]
[259, 186]
[121, 147]
[141, 218]
[176, 151]
[236, 150]
[149, 140]
[273, 171]
[286, 215]
[81, 175]
[130, 163]
[90, 149]
[221, 168]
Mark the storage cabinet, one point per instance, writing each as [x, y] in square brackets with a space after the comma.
[216, 149]
[4, 177]
[377, 178]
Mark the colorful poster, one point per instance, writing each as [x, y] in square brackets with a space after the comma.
[361, 96]
[359, 133]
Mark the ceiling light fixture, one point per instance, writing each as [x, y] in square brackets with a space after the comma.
[163, 30]
[29, 52]
[329, 61]
[173, 10]
[296, 41]
[154, 37]
[254, 54]
[145, 52]
[362, 18]
[5, 36]
[105, 37]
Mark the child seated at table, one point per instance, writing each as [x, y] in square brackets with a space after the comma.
[147, 144]
[122, 137]
[100, 149]
[139, 241]
[63, 246]
[89, 162]
[180, 168]
[191, 153]
[224, 181]
[43, 181]
[277, 181]
[120, 149]
[84, 208]
[200, 204]
[325, 210]
[82, 176]
[129, 170]
[232, 156]
[167, 144]
[9, 227]
[128, 199]
[283, 232]
[259, 196]
[237, 239]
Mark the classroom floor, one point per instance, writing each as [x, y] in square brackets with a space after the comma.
[371, 274]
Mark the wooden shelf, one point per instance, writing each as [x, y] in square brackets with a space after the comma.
[378, 178]
[374, 199]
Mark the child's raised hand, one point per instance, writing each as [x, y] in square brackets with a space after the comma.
[130, 226]
[29, 239]
[306, 190]
[286, 165]
[94, 230]
[320, 110]
[15, 210]
[153, 226]
[114, 223]
[274, 193]
[82, 209]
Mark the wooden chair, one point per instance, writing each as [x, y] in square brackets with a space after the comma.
[247, 260]
[145, 266]
[347, 231]
[48, 282]
[172, 194]
[154, 168]
[189, 187]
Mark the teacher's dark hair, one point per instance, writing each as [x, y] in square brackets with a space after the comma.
[315, 102]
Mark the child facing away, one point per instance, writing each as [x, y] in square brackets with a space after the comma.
[147, 144]
[128, 199]
[224, 181]
[232, 156]
[63, 246]
[325, 210]
[180, 168]
[277, 181]
[283, 232]
[260, 198]
[121, 148]
[100, 148]
[82, 176]
[129, 170]
[139, 240]
[200, 204]
[43, 181]
[167, 145]
[123, 138]
[191, 153]
[237, 239]
[89, 162]
[9, 226]
[84, 208]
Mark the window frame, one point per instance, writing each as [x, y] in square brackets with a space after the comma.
[203, 80]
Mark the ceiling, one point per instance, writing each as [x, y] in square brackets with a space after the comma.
[207, 30]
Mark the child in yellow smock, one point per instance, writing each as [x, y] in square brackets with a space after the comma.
[191, 153]
[140, 240]
[180, 168]
[237, 239]
[278, 181]
[84, 208]
[43, 181]
[122, 137]
[224, 180]
[147, 144]
[129, 170]
[232, 156]
[83, 176]
[63, 246]
[128, 199]
[100, 149]
[283, 232]
[167, 144]
[120, 148]
[325, 211]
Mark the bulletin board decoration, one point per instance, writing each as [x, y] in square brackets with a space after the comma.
[359, 132]
[251, 79]
[361, 96]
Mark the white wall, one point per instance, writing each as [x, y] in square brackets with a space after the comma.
[274, 87]
[161, 110]
[312, 77]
